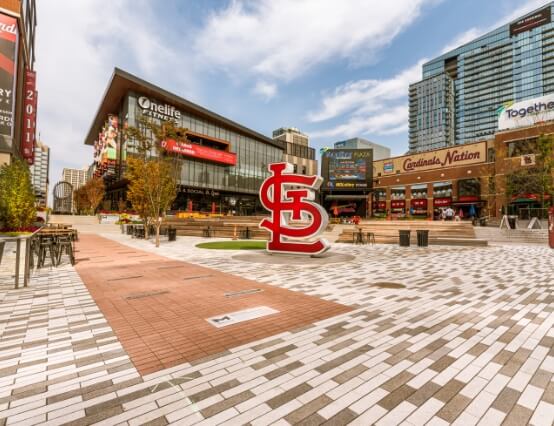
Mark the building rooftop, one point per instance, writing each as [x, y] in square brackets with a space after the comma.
[122, 82]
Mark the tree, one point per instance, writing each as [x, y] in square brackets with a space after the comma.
[136, 192]
[17, 198]
[153, 172]
[536, 179]
[95, 191]
[80, 200]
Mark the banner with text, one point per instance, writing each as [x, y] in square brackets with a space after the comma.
[8, 66]
[29, 117]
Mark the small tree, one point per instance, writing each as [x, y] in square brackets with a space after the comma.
[95, 191]
[136, 192]
[17, 199]
[155, 189]
[545, 166]
[80, 200]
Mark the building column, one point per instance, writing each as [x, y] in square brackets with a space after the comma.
[430, 207]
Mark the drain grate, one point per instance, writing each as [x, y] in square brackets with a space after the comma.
[243, 292]
[389, 285]
[146, 294]
[197, 276]
[126, 278]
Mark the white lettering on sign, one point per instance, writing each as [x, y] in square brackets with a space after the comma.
[158, 110]
[526, 113]
[224, 320]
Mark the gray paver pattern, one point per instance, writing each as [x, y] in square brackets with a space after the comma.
[468, 340]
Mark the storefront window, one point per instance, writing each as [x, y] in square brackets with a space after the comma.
[522, 147]
[442, 194]
[469, 188]
[398, 200]
[379, 202]
[418, 203]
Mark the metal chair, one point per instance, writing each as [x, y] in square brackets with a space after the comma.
[46, 244]
[65, 245]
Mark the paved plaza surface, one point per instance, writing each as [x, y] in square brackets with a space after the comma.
[438, 335]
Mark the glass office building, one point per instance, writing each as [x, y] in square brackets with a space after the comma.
[462, 91]
[222, 165]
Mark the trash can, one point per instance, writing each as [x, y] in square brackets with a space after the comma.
[172, 234]
[512, 221]
[404, 235]
[422, 237]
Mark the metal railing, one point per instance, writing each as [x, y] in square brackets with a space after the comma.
[529, 213]
[26, 267]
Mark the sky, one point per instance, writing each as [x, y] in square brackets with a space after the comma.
[333, 69]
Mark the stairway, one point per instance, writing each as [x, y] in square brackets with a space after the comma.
[512, 236]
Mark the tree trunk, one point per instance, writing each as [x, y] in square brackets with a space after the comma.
[158, 225]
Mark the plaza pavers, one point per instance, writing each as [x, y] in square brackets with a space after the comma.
[468, 340]
[158, 307]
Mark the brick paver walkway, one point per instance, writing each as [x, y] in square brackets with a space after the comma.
[158, 307]
[467, 339]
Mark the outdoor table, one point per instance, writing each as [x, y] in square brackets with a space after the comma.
[26, 269]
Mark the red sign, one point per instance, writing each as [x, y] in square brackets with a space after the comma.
[8, 70]
[29, 117]
[380, 205]
[397, 204]
[442, 201]
[199, 151]
[419, 203]
[468, 198]
[289, 204]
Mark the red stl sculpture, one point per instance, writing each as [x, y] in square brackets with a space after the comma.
[289, 205]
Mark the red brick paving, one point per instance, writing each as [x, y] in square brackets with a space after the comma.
[170, 328]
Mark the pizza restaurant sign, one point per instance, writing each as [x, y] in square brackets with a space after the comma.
[459, 156]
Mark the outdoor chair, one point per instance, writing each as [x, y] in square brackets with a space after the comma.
[370, 238]
[65, 245]
[46, 244]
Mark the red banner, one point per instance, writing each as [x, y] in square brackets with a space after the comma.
[468, 198]
[442, 201]
[397, 204]
[380, 205]
[419, 203]
[29, 117]
[8, 67]
[199, 151]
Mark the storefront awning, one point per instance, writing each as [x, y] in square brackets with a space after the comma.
[345, 197]
[469, 203]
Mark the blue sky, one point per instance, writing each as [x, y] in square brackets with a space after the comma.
[334, 69]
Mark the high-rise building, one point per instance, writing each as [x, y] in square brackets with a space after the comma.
[76, 177]
[40, 173]
[297, 150]
[380, 152]
[463, 90]
[17, 49]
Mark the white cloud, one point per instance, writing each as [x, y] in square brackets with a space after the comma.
[265, 89]
[367, 96]
[381, 106]
[284, 39]
[389, 121]
[78, 45]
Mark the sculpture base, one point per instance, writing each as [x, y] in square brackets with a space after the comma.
[262, 256]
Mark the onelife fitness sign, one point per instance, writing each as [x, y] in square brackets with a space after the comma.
[29, 117]
[290, 199]
[200, 152]
[8, 66]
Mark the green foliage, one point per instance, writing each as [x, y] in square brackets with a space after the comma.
[234, 245]
[152, 174]
[537, 179]
[17, 199]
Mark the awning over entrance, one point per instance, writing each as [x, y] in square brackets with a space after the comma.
[345, 197]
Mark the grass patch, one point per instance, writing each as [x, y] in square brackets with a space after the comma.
[234, 245]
